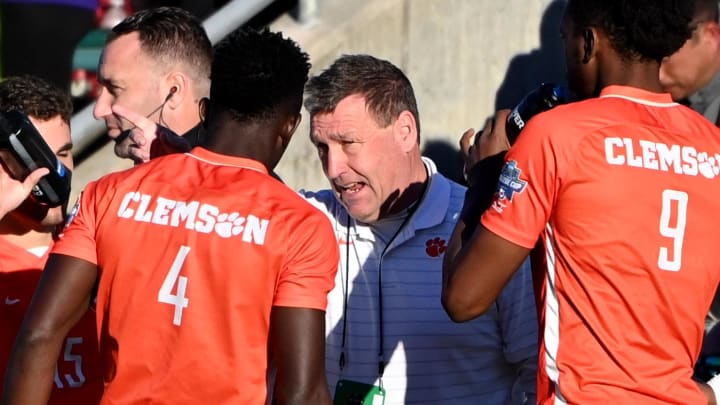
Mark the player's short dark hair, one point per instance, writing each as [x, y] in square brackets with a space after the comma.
[386, 89]
[637, 29]
[257, 75]
[171, 35]
[35, 97]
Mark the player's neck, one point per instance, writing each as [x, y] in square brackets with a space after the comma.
[641, 75]
[249, 140]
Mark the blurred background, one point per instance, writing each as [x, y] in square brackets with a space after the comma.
[465, 58]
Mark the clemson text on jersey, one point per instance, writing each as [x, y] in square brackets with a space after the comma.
[192, 215]
[658, 156]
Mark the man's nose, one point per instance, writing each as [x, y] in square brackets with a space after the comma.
[335, 163]
[102, 105]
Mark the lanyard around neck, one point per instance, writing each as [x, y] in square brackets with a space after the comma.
[381, 340]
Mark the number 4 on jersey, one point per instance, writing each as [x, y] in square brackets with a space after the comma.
[165, 294]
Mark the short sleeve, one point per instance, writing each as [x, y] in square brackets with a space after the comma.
[78, 239]
[313, 258]
[527, 186]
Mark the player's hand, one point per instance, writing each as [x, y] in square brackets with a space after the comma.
[167, 142]
[14, 192]
[122, 144]
[488, 142]
[136, 145]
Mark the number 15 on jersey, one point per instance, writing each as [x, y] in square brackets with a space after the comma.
[173, 277]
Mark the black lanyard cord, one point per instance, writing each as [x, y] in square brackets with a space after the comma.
[381, 349]
[381, 340]
[345, 292]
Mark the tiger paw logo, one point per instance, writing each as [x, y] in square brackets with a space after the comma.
[229, 225]
[435, 247]
[708, 166]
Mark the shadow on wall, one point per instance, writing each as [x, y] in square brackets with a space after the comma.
[544, 64]
[525, 72]
[447, 158]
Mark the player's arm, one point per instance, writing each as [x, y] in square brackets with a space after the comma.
[297, 343]
[297, 321]
[60, 300]
[478, 262]
[474, 274]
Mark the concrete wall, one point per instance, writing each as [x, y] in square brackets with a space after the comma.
[465, 58]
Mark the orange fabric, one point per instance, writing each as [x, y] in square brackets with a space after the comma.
[250, 242]
[79, 378]
[623, 190]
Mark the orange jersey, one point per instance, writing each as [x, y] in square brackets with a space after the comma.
[78, 379]
[623, 189]
[193, 250]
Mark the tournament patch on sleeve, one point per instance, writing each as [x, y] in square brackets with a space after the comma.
[509, 185]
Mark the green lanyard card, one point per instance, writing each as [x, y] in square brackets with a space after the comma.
[356, 393]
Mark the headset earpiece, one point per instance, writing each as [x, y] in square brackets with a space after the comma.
[173, 90]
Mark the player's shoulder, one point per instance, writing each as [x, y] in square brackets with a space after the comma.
[169, 165]
[323, 200]
[695, 121]
[285, 199]
[570, 123]
[134, 171]
[575, 114]
[298, 217]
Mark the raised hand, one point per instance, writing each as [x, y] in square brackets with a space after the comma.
[14, 192]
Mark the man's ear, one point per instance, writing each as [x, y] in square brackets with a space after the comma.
[589, 44]
[181, 85]
[712, 32]
[405, 129]
[290, 127]
[202, 108]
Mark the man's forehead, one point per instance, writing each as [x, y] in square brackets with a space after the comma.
[54, 130]
[334, 123]
[122, 46]
[122, 53]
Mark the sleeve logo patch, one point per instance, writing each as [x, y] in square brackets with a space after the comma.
[73, 213]
[509, 184]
